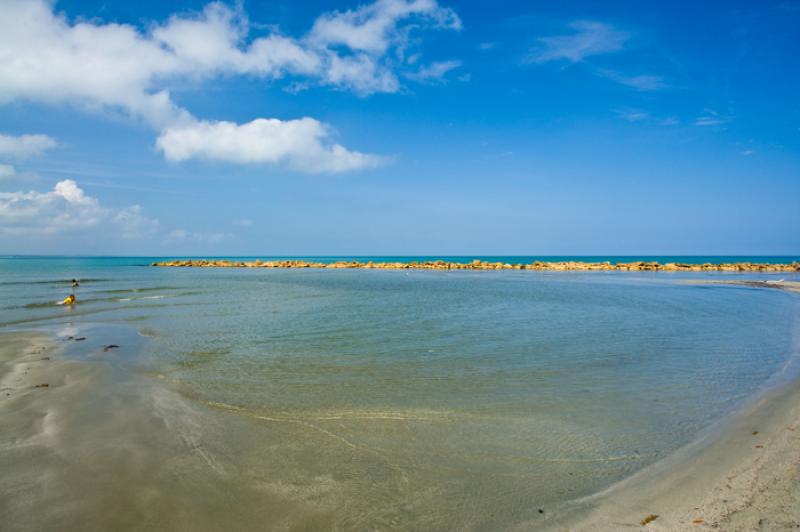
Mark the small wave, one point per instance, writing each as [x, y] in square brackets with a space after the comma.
[77, 311]
[81, 301]
[138, 298]
[136, 290]
[41, 304]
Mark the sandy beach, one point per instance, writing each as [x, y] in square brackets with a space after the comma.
[789, 286]
[85, 449]
[742, 475]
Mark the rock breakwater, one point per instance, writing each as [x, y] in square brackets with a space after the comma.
[484, 265]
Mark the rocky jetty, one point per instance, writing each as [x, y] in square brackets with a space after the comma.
[483, 265]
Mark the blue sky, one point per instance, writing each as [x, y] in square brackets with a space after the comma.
[399, 127]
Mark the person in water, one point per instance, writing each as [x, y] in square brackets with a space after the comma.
[75, 283]
[69, 300]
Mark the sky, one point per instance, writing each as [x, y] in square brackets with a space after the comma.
[399, 127]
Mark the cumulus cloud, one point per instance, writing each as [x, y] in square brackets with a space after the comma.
[44, 57]
[215, 41]
[66, 208]
[301, 144]
[374, 28]
[24, 146]
[589, 38]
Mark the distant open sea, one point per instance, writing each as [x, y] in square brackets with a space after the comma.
[428, 399]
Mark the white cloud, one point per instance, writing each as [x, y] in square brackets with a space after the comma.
[633, 115]
[746, 153]
[374, 28]
[215, 41]
[639, 115]
[244, 222]
[63, 209]
[707, 121]
[590, 38]
[6, 171]
[644, 82]
[134, 224]
[24, 145]
[44, 57]
[301, 144]
[709, 118]
[361, 73]
[434, 72]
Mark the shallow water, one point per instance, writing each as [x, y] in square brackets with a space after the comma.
[427, 399]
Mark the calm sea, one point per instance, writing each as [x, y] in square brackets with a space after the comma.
[427, 399]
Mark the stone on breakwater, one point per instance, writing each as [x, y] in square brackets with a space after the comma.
[477, 264]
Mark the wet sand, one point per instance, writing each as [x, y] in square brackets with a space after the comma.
[96, 451]
[789, 286]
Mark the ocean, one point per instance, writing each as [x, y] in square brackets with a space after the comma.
[381, 399]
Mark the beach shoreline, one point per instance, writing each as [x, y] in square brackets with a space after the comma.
[790, 286]
[743, 476]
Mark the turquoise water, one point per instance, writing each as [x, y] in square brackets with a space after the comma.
[426, 399]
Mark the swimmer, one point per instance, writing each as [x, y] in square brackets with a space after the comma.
[69, 300]
[75, 283]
